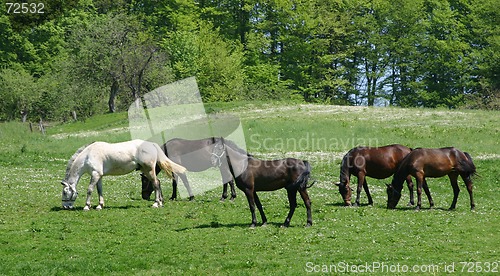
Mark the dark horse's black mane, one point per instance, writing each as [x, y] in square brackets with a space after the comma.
[235, 147]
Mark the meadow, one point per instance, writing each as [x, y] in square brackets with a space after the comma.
[206, 236]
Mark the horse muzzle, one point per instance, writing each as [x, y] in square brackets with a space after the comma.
[68, 205]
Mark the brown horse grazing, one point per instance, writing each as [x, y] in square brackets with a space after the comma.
[253, 175]
[376, 162]
[422, 163]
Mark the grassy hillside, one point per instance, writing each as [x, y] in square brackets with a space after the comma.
[207, 236]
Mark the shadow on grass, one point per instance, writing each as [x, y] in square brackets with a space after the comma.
[214, 225]
[58, 208]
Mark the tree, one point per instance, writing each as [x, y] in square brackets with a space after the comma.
[216, 62]
[118, 51]
[18, 93]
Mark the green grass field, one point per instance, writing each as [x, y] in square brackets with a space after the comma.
[207, 236]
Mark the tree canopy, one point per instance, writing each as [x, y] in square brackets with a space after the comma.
[94, 56]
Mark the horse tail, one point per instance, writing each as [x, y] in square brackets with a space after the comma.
[467, 165]
[168, 165]
[301, 181]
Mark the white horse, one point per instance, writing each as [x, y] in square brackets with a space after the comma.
[101, 158]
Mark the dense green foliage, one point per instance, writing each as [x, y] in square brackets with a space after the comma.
[90, 56]
[207, 237]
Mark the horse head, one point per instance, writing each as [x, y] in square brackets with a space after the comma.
[393, 196]
[69, 195]
[346, 192]
[147, 187]
[217, 153]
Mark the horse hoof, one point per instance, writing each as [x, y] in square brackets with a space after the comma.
[309, 224]
[252, 226]
[264, 224]
[191, 198]
[410, 204]
[86, 208]
[155, 205]
[98, 207]
[285, 225]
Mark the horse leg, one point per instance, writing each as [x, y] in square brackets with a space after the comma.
[158, 194]
[428, 194]
[420, 182]
[186, 184]
[456, 190]
[367, 191]
[307, 202]
[175, 178]
[251, 203]
[361, 180]
[94, 178]
[233, 191]
[224, 192]
[151, 175]
[409, 183]
[261, 210]
[101, 198]
[468, 184]
[292, 199]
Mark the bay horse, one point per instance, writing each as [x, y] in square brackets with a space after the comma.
[375, 162]
[100, 158]
[425, 162]
[195, 156]
[253, 175]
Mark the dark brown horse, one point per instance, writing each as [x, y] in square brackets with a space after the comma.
[422, 163]
[253, 175]
[195, 156]
[376, 162]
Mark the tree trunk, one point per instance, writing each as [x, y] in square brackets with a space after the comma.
[114, 91]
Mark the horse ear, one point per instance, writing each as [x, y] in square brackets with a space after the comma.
[337, 183]
[388, 185]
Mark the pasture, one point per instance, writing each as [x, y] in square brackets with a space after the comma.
[206, 236]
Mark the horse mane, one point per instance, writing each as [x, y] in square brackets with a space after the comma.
[344, 167]
[235, 147]
[72, 159]
[402, 171]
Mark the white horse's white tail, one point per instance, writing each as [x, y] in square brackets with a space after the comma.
[168, 165]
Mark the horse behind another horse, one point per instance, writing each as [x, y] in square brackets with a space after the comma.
[196, 156]
[422, 163]
[376, 162]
